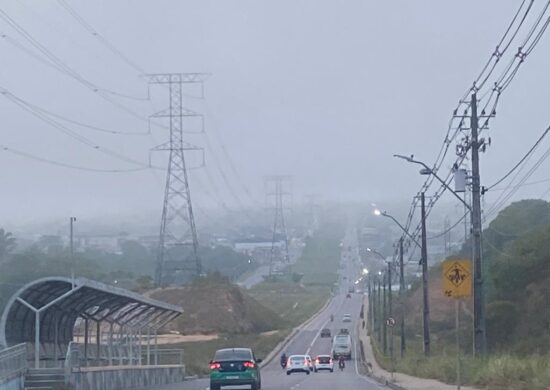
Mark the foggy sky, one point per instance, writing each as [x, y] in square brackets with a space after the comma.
[324, 90]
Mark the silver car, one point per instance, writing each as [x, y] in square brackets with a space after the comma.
[297, 363]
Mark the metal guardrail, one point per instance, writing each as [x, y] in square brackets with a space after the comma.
[13, 362]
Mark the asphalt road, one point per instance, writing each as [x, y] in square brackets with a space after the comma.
[308, 340]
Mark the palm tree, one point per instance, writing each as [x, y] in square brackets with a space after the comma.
[7, 243]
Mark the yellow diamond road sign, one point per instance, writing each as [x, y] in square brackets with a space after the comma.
[457, 278]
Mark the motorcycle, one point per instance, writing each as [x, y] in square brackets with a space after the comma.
[283, 363]
[341, 365]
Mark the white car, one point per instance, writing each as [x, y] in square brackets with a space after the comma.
[346, 318]
[323, 362]
[297, 363]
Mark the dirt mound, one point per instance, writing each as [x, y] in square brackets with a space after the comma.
[217, 307]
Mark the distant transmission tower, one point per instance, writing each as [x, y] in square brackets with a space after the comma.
[178, 259]
[277, 189]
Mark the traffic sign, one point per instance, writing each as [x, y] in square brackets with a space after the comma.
[457, 278]
[390, 322]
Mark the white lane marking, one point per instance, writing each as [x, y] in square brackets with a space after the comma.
[316, 336]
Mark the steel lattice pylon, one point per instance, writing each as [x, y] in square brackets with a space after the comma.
[276, 182]
[178, 243]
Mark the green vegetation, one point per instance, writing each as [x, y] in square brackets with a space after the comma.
[517, 268]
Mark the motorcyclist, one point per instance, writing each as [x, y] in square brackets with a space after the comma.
[341, 362]
[283, 360]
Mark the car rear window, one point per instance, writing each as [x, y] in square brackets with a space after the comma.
[324, 359]
[297, 358]
[233, 354]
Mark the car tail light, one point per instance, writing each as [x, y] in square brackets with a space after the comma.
[317, 360]
[215, 366]
[249, 364]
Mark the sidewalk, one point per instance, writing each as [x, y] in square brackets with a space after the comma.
[403, 381]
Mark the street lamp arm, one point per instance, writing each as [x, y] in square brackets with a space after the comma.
[402, 228]
[431, 172]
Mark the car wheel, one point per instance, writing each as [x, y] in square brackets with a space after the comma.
[288, 372]
[254, 386]
[307, 372]
[331, 370]
[215, 387]
[316, 370]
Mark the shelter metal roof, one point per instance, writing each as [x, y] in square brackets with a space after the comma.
[60, 302]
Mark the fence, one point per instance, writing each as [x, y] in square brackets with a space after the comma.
[13, 362]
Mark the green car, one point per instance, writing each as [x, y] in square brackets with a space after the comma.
[235, 367]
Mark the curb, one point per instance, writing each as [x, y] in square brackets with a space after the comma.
[291, 335]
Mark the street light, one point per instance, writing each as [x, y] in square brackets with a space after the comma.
[365, 271]
[426, 170]
[376, 253]
[378, 212]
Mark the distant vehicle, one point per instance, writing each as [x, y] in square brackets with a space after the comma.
[351, 290]
[235, 367]
[325, 332]
[343, 331]
[346, 318]
[323, 362]
[348, 295]
[341, 346]
[309, 362]
[297, 363]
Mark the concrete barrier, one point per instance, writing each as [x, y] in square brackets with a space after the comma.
[124, 377]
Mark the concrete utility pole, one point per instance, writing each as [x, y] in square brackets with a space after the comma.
[379, 310]
[390, 307]
[402, 297]
[384, 317]
[71, 246]
[425, 287]
[480, 344]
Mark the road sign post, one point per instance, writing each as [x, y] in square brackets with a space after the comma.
[457, 284]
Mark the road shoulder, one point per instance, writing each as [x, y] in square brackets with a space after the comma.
[399, 380]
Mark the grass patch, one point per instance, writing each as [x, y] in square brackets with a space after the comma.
[292, 302]
[497, 372]
[198, 354]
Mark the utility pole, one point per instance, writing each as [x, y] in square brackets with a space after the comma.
[373, 304]
[379, 310]
[480, 345]
[275, 187]
[425, 287]
[402, 297]
[71, 245]
[390, 310]
[178, 258]
[384, 317]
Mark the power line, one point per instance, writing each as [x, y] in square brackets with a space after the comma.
[531, 150]
[65, 165]
[88, 27]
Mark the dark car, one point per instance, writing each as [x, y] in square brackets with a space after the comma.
[325, 332]
[235, 367]
[344, 331]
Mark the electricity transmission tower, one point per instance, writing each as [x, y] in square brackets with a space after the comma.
[178, 259]
[277, 188]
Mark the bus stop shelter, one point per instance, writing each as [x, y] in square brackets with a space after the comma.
[43, 314]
